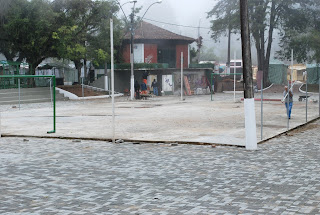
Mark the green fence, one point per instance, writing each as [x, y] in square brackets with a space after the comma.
[313, 74]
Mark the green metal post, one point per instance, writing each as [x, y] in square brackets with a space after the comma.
[54, 106]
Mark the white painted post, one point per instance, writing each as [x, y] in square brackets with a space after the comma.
[112, 80]
[234, 77]
[181, 76]
[250, 124]
[0, 123]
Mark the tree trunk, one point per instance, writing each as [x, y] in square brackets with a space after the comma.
[269, 45]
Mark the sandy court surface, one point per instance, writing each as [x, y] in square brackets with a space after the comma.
[159, 119]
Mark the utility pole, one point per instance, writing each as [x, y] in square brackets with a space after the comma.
[250, 119]
[229, 47]
[131, 54]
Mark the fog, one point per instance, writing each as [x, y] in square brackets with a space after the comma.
[189, 13]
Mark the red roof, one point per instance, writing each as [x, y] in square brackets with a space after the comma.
[149, 31]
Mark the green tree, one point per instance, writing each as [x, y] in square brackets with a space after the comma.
[84, 34]
[207, 54]
[265, 17]
[301, 32]
[6, 46]
[29, 26]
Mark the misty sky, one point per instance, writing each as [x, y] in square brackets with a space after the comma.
[188, 13]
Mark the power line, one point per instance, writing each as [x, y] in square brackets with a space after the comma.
[186, 26]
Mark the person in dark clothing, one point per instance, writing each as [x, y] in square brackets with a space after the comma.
[155, 87]
[137, 89]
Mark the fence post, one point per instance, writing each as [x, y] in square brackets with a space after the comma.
[262, 107]
[287, 106]
[19, 91]
[307, 97]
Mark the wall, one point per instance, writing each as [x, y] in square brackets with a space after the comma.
[185, 50]
[150, 53]
[138, 53]
[126, 53]
[196, 78]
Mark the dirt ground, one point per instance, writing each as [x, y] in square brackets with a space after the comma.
[197, 119]
[77, 90]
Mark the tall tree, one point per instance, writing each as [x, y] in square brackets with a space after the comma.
[28, 28]
[6, 46]
[84, 34]
[301, 32]
[265, 17]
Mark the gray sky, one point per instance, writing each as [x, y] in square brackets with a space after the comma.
[189, 13]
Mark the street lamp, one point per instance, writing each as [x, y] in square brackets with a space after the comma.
[131, 40]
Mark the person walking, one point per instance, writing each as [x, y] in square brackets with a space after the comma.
[288, 100]
[155, 87]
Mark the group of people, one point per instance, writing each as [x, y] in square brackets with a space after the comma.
[143, 88]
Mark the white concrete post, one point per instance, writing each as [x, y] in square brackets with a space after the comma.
[250, 124]
[112, 80]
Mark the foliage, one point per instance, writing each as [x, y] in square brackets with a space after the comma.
[265, 17]
[29, 26]
[207, 54]
[67, 29]
[301, 32]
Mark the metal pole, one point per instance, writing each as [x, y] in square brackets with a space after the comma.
[319, 96]
[234, 77]
[82, 88]
[54, 106]
[291, 68]
[287, 106]
[262, 107]
[19, 91]
[0, 123]
[211, 86]
[181, 76]
[112, 80]
[307, 97]
[51, 90]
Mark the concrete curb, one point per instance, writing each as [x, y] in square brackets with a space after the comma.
[72, 96]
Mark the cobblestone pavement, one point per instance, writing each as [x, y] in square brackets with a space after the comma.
[48, 176]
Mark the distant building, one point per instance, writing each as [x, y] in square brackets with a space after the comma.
[153, 44]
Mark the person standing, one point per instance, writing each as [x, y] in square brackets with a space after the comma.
[155, 87]
[288, 100]
[137, 89]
